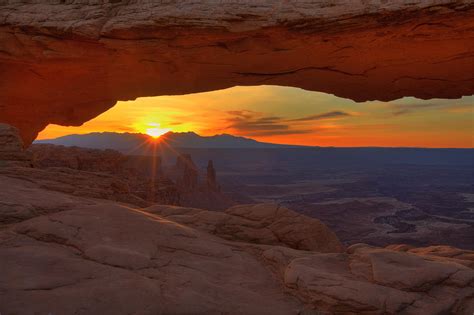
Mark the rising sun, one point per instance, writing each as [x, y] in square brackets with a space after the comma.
[155, 131]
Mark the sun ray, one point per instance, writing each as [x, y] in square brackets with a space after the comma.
[155, 130]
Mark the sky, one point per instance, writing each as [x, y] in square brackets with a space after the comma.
[292, 116]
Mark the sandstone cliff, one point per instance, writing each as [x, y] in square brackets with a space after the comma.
[66, 62]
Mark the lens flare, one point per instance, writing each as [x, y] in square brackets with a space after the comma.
[155, 131]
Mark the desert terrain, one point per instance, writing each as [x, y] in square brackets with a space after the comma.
[376, 196]
[357, 199]
[77, 241]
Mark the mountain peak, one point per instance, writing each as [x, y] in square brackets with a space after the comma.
[182, 133]
[189, 139]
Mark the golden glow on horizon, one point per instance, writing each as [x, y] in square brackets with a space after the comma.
[292, 116]
[154, 131]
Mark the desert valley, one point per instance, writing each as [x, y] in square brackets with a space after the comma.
[159, 232]
[378, 196]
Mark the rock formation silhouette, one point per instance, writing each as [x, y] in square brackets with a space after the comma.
[211, 180]
[188, 180]
[11, 147]
[105, 174]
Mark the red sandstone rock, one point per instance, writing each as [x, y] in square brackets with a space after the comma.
[188, 179]
[99, 257]
[262, 224]
[447, 253]
[65, 63]
[105, 174]
[12, 152]
[83, 159]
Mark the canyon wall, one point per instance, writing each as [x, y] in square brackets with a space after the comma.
[65, 62]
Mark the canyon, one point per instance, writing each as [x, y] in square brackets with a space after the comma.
[65, 252]
[86, 231]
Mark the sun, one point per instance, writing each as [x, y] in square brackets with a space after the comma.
[155, 131]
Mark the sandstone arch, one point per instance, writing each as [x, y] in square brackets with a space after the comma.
[65, 62]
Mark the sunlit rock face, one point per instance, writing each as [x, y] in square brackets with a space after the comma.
[65, 62]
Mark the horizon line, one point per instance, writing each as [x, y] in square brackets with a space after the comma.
[248, 138]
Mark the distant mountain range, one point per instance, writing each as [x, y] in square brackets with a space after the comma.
[232, 152]
[131, 141]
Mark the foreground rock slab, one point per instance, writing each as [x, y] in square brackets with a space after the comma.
[91, 256]
[262, 223]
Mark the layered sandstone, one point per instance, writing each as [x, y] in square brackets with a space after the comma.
[188, 178]
[83, 159]
[262, 223]
[105, 174]
[74, 255]
[12, 151]
[66, 62]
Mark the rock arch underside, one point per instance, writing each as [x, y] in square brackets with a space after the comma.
[65, 62]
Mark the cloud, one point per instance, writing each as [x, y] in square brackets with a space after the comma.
[279, 133]
[401, 112]
[251, 123]
[403, 109]
[242, 113]
[256, 123]
[333, 114]
[461, 108]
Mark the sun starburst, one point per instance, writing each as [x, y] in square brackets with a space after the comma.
[155, 130]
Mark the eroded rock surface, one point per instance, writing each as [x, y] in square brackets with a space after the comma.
[12, 152]
[363, 50]
[83, 159]
[135, 263]
[446, 253]
[368, 280]
[76, 255]
[261, 224]
[188, 179]
[106, 174]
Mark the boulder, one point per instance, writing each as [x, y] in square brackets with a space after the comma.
[443, 252]
[261, 223]
[12, 152]
[369, 280]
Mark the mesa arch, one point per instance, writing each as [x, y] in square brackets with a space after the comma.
[65, 62]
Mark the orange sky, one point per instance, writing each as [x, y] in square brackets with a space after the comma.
[293, 116]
